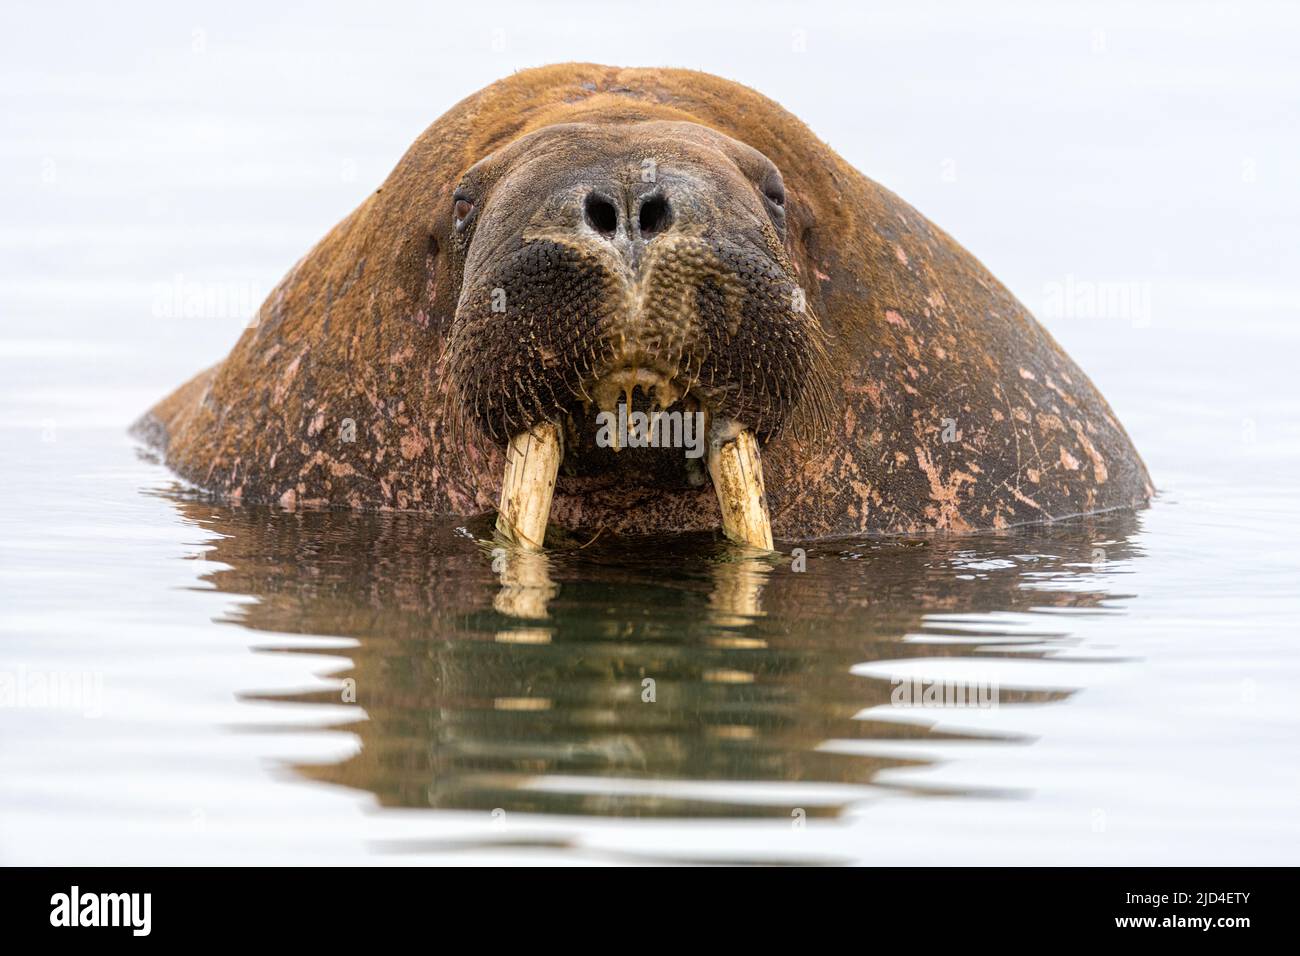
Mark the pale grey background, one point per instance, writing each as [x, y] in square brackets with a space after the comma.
[1148, 152]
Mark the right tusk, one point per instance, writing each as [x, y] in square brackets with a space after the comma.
[532, 463]
[737, 472]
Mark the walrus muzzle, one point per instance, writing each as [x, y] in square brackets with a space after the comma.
[592, 291]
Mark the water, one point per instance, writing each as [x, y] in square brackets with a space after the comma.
[245, 685]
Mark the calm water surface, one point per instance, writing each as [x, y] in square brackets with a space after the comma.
[249, 685]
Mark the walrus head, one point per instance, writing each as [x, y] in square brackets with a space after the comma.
[642, 263]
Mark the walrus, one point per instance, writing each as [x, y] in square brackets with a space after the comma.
[577, 241]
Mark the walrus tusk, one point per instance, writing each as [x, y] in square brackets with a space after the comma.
[737, 473]
[526, 586]
[532, 462]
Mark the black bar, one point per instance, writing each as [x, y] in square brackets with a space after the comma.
[330, 906]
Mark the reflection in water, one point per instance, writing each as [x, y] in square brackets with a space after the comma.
[677, 677]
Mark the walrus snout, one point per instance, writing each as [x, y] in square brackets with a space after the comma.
[643, 246]
[600, 259]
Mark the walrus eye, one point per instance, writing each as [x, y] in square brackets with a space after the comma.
[774, 190]
[460, 212]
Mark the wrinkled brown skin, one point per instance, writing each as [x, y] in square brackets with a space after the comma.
[916, 332]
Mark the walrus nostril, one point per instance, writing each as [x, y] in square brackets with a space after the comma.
[655, 216]
[601, 215]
